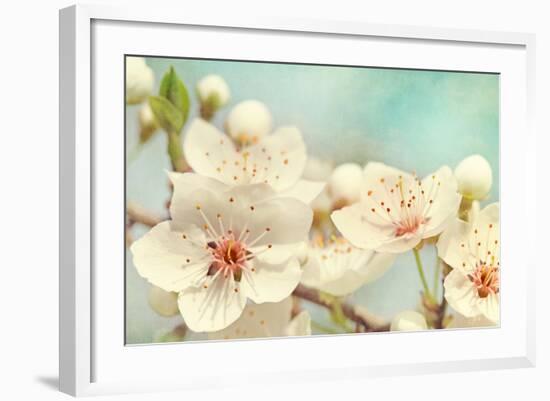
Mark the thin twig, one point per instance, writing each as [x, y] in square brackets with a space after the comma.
[363, 319]
[367, 322]
[137, 214]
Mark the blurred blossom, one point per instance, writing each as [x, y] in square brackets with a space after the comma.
[165, 303]
[302, 253]
[317, 169]
[474, 177]
[473, 251]
[139, 80]
[277, 160]
[398, 210]
[409, 320]
[460, 321]
[266, 320]
[224, 245]
[345, 184]
[322, 203]
[249, 121]
[300, 325]
[338, 268]
[147, 123]
[213, 94]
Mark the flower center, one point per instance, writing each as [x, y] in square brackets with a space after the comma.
[229, 256]
[486, 279]
[404, 202]
[409, 225]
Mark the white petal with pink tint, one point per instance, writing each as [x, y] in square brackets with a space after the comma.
[258, 320]
[300, 325]
[473, 251]
[338, 268]
[271, 283]
[304, 190]
[165, 259]
[223, 245]
[266, 320]
[277, 159]
[397, 210]
[211, 306]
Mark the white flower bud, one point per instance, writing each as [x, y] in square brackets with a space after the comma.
[213, 91]
[317, 169]
[408, 320]
[322, 203]
[139, 80]
[163, 302]
[345, 184]
[474, 177]
[249, 121]
[147, 123]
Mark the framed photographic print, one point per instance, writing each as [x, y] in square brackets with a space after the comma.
[354, 195]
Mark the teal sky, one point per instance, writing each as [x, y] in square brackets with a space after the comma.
[414, 120]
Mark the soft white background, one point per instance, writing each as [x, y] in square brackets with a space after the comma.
[29, 186]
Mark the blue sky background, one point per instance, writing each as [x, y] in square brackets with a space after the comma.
[414, 120]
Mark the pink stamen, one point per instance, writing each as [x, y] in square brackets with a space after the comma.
[229, 256]
[409, 225]
[486, 279]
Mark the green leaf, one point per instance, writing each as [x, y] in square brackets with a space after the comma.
[173, 89]
[167, 115]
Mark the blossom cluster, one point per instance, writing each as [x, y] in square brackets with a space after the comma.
[254, 216]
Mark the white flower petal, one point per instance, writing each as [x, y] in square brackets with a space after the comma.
[378, 265]
[449, 246]
[258, 320]
[409, 320]
[343, 272]
[278, 159]
[184, 185]
[213, 308]
[271, 283]
[165, 303]
[441, 187]
[279, 221]
[300, 325]
[358, 227]
[278, 253]
[304, 190]
[374, 172]
[463, 244]
[490, 307]
[167, 260]
[211, 153]
[460, 321]
[461, 294]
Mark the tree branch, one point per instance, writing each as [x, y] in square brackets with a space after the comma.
[137, 214]
[362, 318]
[365, 321]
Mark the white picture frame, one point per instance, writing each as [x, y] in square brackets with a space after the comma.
[91, 363]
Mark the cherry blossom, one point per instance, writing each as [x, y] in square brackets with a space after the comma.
[339, 268]
[266, 320]
[473, 251]
[398, 210]
[223, 245]
[277, 160]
